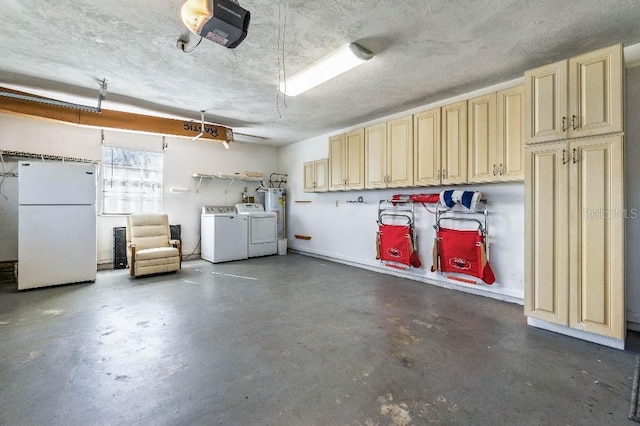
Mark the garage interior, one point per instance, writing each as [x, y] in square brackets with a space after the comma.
[324, 331]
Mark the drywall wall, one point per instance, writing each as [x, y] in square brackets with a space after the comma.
[182, 158]
[632, 195]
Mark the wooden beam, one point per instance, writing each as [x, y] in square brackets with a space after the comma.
[111, 119]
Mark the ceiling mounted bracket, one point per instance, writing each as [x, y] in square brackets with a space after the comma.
[47, 101]
[201, 125]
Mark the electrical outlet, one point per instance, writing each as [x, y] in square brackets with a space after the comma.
[181, 44]
[336, 203]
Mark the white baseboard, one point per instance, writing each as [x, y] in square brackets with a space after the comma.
[511, 296]
[578, 334]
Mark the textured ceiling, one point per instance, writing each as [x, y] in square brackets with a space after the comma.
[425, 51]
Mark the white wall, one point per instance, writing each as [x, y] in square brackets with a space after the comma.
[347, 231]
[182, 159]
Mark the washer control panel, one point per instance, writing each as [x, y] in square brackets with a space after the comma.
[218, 209]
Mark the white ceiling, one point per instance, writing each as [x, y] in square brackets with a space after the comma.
[425, 51]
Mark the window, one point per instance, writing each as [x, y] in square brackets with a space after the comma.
[131, 181]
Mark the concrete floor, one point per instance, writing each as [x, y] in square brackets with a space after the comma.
[292, 340]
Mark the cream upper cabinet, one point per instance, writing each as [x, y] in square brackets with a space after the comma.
[482, 165]
[510, 134]
[346, 158]
[595, 92]
[337, 160]
[400, 152]
[321, 170]
[316, 175]
[375, 141]
[354, 163]
[309, 176]
[581, 96]
[546, 103]
[454, 143]
[426, 148]
[389, 154]
[574, 245]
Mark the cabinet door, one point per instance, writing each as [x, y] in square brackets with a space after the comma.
[309, 177]
[454, 143]
[400, 152]
[510, 140]
[595, 92]
[375, 139]
[321, 172]
[354, 164]
[482, 166]
[546, 233]
[426, 148]
[337, 158]
[596, 236]
[546, 103]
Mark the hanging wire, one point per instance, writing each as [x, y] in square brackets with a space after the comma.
[282, 74]
[4, 177]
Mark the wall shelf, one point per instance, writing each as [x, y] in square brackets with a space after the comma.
[228, 177]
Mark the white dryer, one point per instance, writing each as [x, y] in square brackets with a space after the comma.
[263, 229]
[223, 234]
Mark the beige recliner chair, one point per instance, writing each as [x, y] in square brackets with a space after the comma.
[150, 249]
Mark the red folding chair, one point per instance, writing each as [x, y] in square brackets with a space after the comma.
[395, 239]
[461, 251]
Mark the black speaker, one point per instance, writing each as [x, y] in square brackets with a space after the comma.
[119, 247]
[175, 232]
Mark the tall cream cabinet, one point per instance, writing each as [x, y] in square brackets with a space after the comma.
[577, 97]
[574, 197]
[389, 154]
[346, 161]
[496, 136]
[316, 175]
[574, 219]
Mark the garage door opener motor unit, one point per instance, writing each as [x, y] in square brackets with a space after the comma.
[221, 21]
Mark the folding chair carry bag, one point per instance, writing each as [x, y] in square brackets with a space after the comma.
[463, 252]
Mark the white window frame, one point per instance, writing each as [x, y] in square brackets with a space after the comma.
[132, 183]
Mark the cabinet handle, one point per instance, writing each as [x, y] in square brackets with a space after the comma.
[444, 174]
[574, 121]
[564, 122]
[573, 156]
[494, 169]
[564, 156]
[500, 169]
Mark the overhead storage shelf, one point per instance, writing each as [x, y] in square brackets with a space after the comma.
[230, 177]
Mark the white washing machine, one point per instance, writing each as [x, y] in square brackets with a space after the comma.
[263, 229]
[223, 234]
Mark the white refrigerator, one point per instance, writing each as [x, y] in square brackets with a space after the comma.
[56, 223]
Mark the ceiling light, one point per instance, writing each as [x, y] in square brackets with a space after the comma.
[225, 144]
[332, 66]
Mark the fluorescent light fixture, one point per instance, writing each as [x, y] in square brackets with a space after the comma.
[225, 144]
[332, 66]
